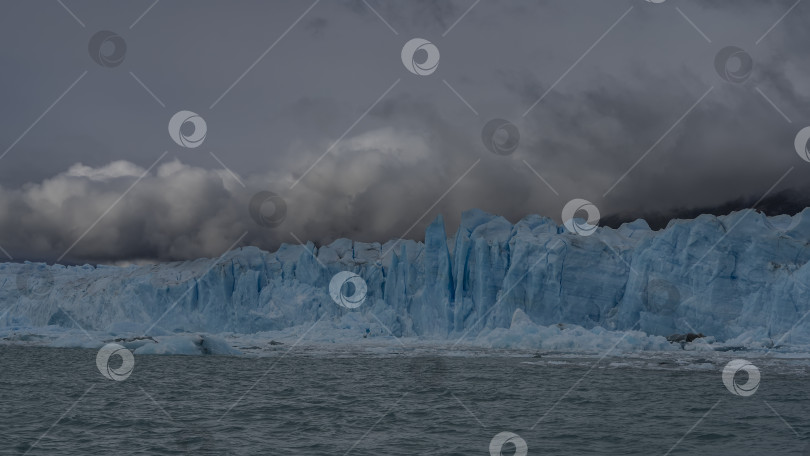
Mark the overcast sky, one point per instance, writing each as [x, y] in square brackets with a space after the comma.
[616, 102]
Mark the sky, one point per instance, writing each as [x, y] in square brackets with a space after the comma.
[317, 125]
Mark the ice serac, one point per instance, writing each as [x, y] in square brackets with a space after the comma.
[741, 277]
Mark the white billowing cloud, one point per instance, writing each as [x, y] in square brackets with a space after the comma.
[120, 168]
[390, 182]
[370, 185]
[175, 211]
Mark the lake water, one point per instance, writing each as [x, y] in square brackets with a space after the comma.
[55, 401]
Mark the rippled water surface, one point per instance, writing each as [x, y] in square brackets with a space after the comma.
[55, 401]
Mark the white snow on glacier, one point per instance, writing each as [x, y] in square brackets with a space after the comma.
[741, 279]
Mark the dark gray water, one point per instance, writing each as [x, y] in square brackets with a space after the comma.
[363, 405]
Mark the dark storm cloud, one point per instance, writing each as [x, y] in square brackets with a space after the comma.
[391, 169]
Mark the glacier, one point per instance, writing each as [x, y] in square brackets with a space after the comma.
[742, 280]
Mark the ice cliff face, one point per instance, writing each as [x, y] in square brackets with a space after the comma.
[741, 276]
